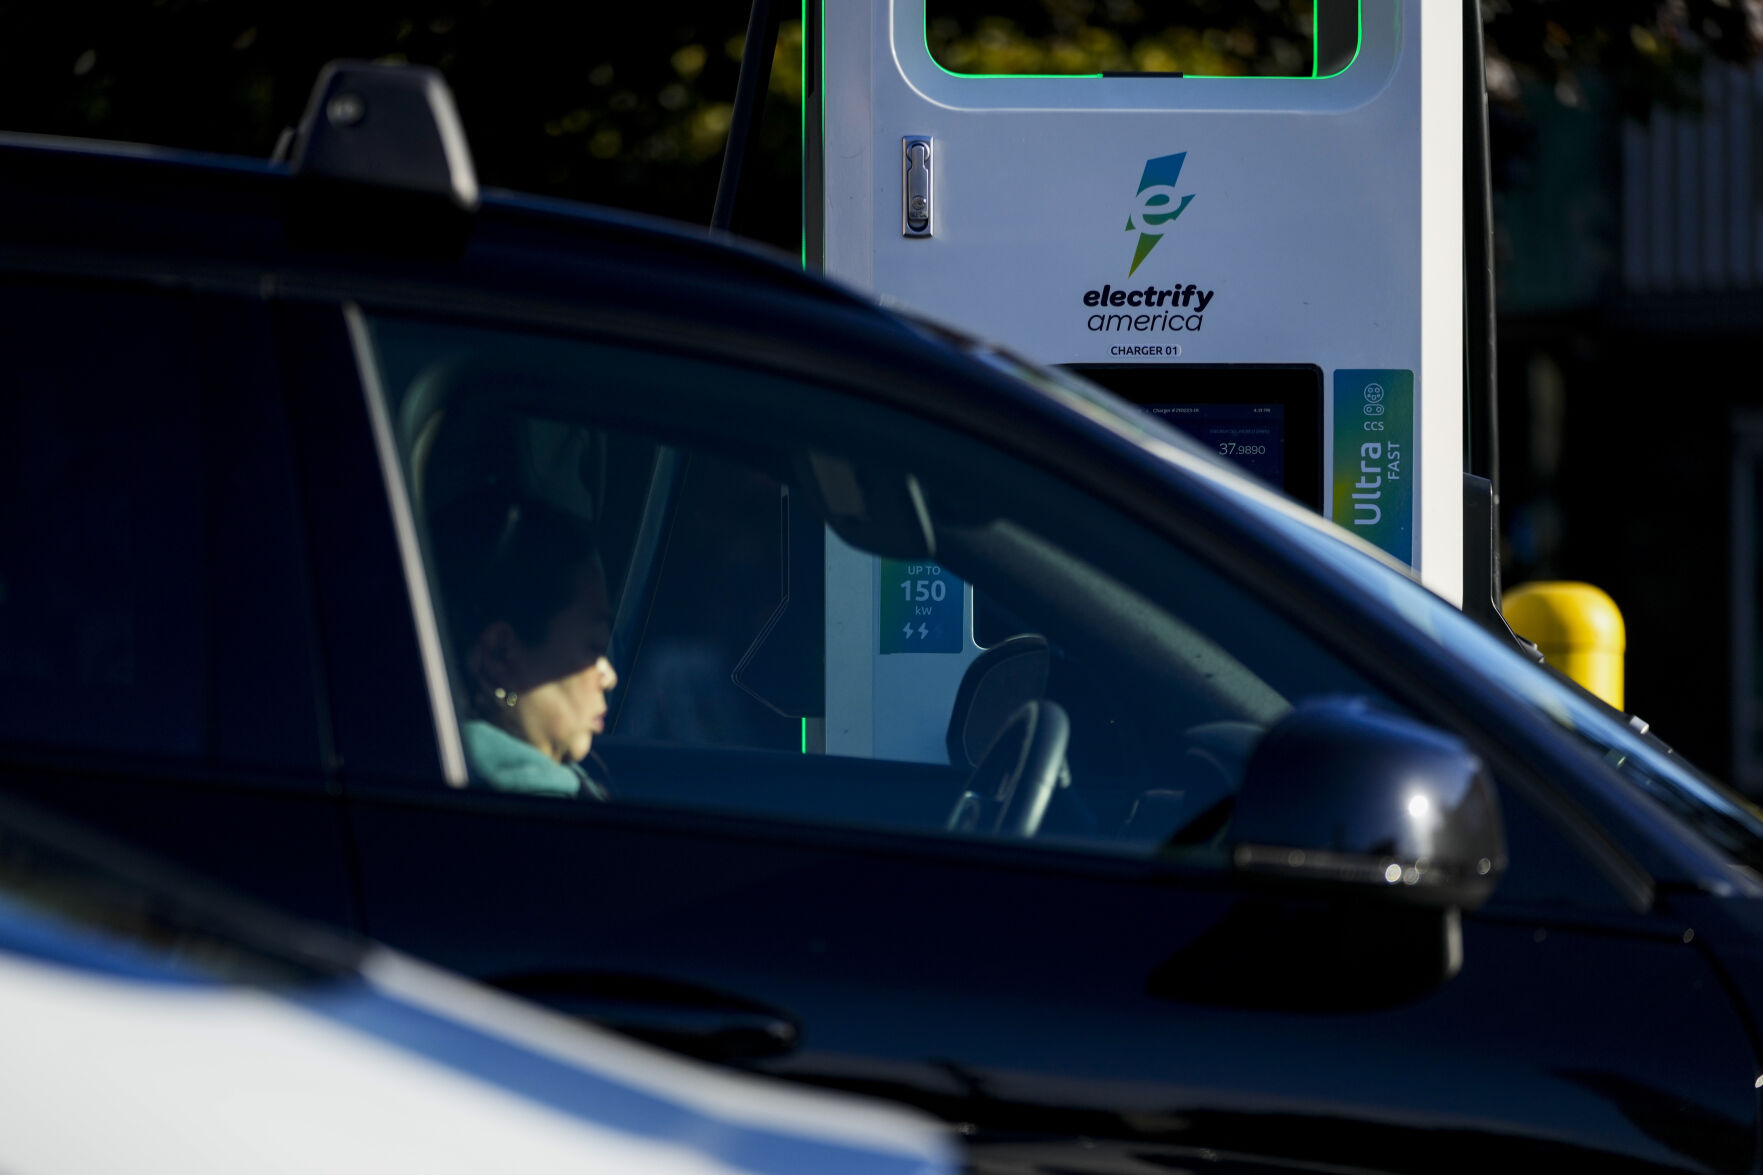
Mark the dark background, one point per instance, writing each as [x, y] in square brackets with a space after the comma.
[628, 104]
[1620, 399]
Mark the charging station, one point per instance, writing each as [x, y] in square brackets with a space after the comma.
[1275, 265]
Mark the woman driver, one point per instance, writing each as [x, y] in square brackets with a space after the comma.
[525, 598]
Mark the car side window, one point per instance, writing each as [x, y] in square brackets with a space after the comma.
[742, 691]
[675, 582]
[141, 559]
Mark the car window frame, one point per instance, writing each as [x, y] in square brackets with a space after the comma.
[1630, 884]
[848, 340]
[360, 575]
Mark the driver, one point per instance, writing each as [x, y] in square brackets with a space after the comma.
[525, 600]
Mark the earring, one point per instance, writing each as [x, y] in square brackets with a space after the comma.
[506, 696]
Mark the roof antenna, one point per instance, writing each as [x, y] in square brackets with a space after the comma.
[379, 163]
[743, 131]
[391, 127]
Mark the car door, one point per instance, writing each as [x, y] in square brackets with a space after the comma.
[1093, 988]
[157, 663]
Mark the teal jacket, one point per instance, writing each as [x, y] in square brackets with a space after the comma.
[507, 763]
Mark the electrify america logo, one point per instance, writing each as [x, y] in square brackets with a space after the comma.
[1155, 208]
[1155, 308]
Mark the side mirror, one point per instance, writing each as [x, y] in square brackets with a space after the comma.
[1341, 793]
[1373, 833]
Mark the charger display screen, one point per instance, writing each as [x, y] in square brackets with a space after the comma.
[1265, 418]
[1251, 435]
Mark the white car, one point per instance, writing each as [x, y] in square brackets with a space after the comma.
[147, 1025]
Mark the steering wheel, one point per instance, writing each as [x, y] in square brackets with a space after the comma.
[1009, 790]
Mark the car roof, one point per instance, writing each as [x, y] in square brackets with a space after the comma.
[99, 209]
[199, 182]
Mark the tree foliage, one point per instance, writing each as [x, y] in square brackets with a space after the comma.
[621, 104]
[1644, 51]
[1194, 37]
[629, 105]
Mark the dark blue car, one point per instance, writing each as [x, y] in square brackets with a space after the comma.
[516, 583]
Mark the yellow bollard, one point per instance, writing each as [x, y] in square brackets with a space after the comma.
[1578, 628]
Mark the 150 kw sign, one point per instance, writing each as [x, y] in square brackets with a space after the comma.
[921, 608]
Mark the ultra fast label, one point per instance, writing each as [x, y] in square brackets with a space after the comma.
[1373, 457]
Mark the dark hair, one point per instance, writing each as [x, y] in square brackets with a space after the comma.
[513, 561]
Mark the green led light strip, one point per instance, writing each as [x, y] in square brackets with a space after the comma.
[1312, 76]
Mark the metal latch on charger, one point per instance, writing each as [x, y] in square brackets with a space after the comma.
[915, 199]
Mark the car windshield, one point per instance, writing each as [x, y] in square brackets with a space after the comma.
[1720, 815]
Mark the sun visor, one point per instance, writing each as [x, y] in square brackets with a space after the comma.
[872, 508]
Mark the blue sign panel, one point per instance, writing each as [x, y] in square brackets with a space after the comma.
[1373, 476]
[921, 608]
